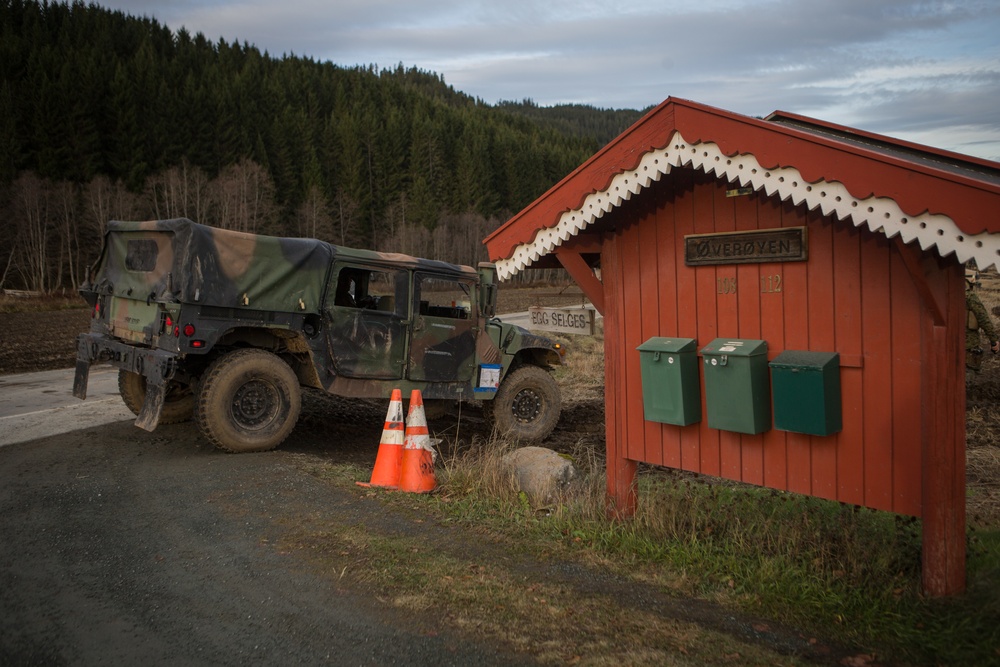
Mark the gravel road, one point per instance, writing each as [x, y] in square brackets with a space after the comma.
[121, 547]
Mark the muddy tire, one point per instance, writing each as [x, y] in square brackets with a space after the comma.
[526, 406]
[178, 403]
[249, 401]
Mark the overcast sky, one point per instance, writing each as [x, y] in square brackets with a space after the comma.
[923, 71]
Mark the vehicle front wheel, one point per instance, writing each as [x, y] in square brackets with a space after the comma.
[249, 401]
[527, 404]
[178, 402]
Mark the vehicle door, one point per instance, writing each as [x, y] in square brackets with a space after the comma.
[367, 321]
[443, 339]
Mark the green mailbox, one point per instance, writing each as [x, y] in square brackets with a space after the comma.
[806, 389]
[671, 393]
[737, 394]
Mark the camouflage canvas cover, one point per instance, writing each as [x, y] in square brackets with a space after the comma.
[179, 305]
[180, 260]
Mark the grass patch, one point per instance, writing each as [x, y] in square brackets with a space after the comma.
[842, 573]
[848, 574]
[466, 587]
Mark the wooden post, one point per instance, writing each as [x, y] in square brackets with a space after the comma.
[943, 438]
[942, 485]
[621, 472]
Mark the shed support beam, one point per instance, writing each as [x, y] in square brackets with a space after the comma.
[943, 440]
[584, 276]
[911, 260]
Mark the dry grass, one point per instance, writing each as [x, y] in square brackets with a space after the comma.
[20, 304]
[845, 572]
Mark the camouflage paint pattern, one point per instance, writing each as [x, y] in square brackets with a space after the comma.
[185, 262]
[238, 289]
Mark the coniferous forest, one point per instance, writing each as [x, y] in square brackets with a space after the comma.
[106, 116]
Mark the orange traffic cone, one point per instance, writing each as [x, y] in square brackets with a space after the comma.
[389, 461]
[418, 453]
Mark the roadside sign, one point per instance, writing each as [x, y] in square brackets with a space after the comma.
[564, 320]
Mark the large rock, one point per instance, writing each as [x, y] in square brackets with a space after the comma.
[542, 474]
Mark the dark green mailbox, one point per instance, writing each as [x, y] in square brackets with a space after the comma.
[806, 389]
[737, 394]
[671, 393]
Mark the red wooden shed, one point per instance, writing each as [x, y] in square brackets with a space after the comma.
[885, 227]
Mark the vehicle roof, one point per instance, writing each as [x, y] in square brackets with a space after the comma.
[203, 234]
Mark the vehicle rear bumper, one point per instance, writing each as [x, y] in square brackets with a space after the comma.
[157, 366]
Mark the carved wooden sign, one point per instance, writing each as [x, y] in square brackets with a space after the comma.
[785, 244]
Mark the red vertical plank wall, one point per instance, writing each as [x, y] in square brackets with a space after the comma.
[772, 329]
[821, 270]
[729, 320]
[876, 378]
[847, 333]
[649, 324]
[905, 325]
[670, 278]
[703, 325]
[750, 322]
[686, 299]
[853, 296]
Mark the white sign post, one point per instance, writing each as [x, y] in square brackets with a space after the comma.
[564, 320]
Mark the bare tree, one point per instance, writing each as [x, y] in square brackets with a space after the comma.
[345, 220]
[180, 192]
[312, 218]
[106, 200]
[32, 228]
[6, 269]
[65, 220]
[243, 198]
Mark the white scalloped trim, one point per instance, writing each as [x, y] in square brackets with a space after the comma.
[879, 214]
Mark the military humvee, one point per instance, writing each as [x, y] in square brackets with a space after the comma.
[227, 327]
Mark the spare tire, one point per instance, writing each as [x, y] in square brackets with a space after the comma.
[178, 402]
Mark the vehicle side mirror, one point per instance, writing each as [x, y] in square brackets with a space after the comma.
[488, 289]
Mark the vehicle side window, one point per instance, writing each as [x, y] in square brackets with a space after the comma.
[442, 297]
[364, 288]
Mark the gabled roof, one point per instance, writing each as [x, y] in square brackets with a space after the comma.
[941, 200]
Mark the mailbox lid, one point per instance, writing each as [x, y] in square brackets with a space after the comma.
[805, 361]
[735, 347]
[671, 345]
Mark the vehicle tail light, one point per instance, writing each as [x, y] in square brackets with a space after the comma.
[197, 343]
[188, 330]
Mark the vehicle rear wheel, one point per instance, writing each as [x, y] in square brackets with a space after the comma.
[249, 401]
[178, 403]
[527, 405]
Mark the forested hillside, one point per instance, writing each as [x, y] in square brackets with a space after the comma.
[107, 116]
